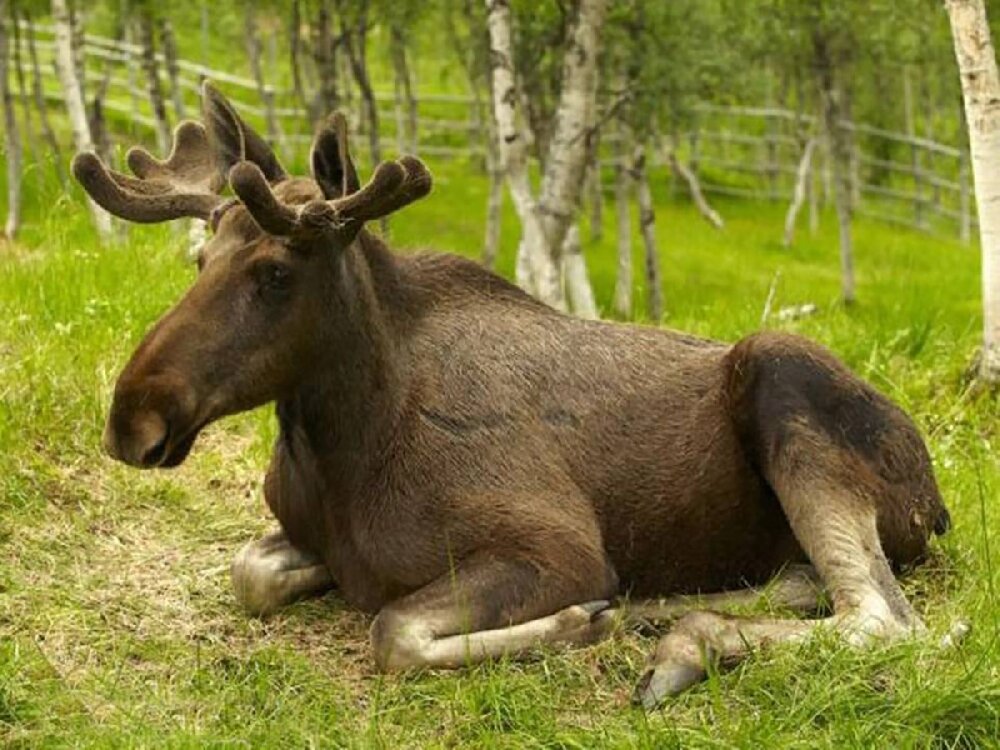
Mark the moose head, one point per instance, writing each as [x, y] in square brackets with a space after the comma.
[244, 333]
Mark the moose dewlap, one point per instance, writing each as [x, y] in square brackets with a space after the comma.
[483, 472]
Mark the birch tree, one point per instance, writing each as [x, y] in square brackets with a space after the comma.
[546, 220]
[981, 95]
[73, 96]
[12, 136]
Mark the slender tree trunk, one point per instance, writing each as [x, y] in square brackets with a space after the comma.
[324, 58]
[265, 92]
[840, 158]
[690, 178]
[623, 214]
[173, 69]
[22, 83]
[494, 201]
[575, 119]
[981, 93]
[406, 101]
[78, 43]
[534, 271]
[356, 46]
[647, 218]
[74, 99]
[147, 43]
[12, 135]
[581, 296]
[38, 94]
[546, 222]
[295, 61]
[802, 177]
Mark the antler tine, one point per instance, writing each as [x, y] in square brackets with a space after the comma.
[367, 203]
[251, 186]
[190, 161]
[183, 185]
[138, 200]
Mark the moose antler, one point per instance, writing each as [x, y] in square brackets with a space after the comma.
[394, 185]
[186, 184]
[205, 157]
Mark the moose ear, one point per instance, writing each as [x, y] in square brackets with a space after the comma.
[232, 140]
[330, 160]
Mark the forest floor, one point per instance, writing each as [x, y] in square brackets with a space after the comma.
[118, 626]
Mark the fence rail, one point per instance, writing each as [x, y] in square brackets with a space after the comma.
[740, 151]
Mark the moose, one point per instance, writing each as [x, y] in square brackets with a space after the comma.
[484, 473]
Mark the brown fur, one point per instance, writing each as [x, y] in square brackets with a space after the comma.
[445, 438]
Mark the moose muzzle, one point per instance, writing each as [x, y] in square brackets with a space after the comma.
[152, 421]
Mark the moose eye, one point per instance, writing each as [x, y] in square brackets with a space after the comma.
[273, 279]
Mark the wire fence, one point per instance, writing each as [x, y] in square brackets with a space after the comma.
[742, 151]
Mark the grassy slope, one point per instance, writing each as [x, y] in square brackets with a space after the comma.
[117, 625]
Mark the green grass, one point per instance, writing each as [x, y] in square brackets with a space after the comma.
[117, 626]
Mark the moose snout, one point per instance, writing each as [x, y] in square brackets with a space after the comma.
[150, 423]
[142, 442]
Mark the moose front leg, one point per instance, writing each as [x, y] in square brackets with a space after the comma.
[490, 607]
[269, 573]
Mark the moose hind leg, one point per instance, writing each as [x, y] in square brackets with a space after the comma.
[270, 573]
[489, 607]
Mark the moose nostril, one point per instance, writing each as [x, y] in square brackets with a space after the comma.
[155, 454]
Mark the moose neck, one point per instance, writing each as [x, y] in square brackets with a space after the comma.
[348, 405]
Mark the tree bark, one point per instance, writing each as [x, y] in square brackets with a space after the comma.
[981, 93]
[840, 158]
[78, 42]
[73, 96]
[566, 155]
[406, 101]
[534, 268]
[295, 62]
[147, 43]
[494, 201]
[265, 92]
[355, 40]
[647, 218]
[12, 135]
[324, 57]
[173, 69]
[581, 296]
[802, 177]
[690, 178]
[623, 213]
[38, 95]
[546, 222]
[22, 84]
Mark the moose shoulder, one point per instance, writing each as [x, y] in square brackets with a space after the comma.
[481, 471]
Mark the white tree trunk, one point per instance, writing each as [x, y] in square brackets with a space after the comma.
[981, 94]
[494, 201]
[802, 176]
[74, 100]
[623, 214]
[532, 254]
[12, 136]
[545, 222]
[690, 178]
[581, 296]
[566, 158]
